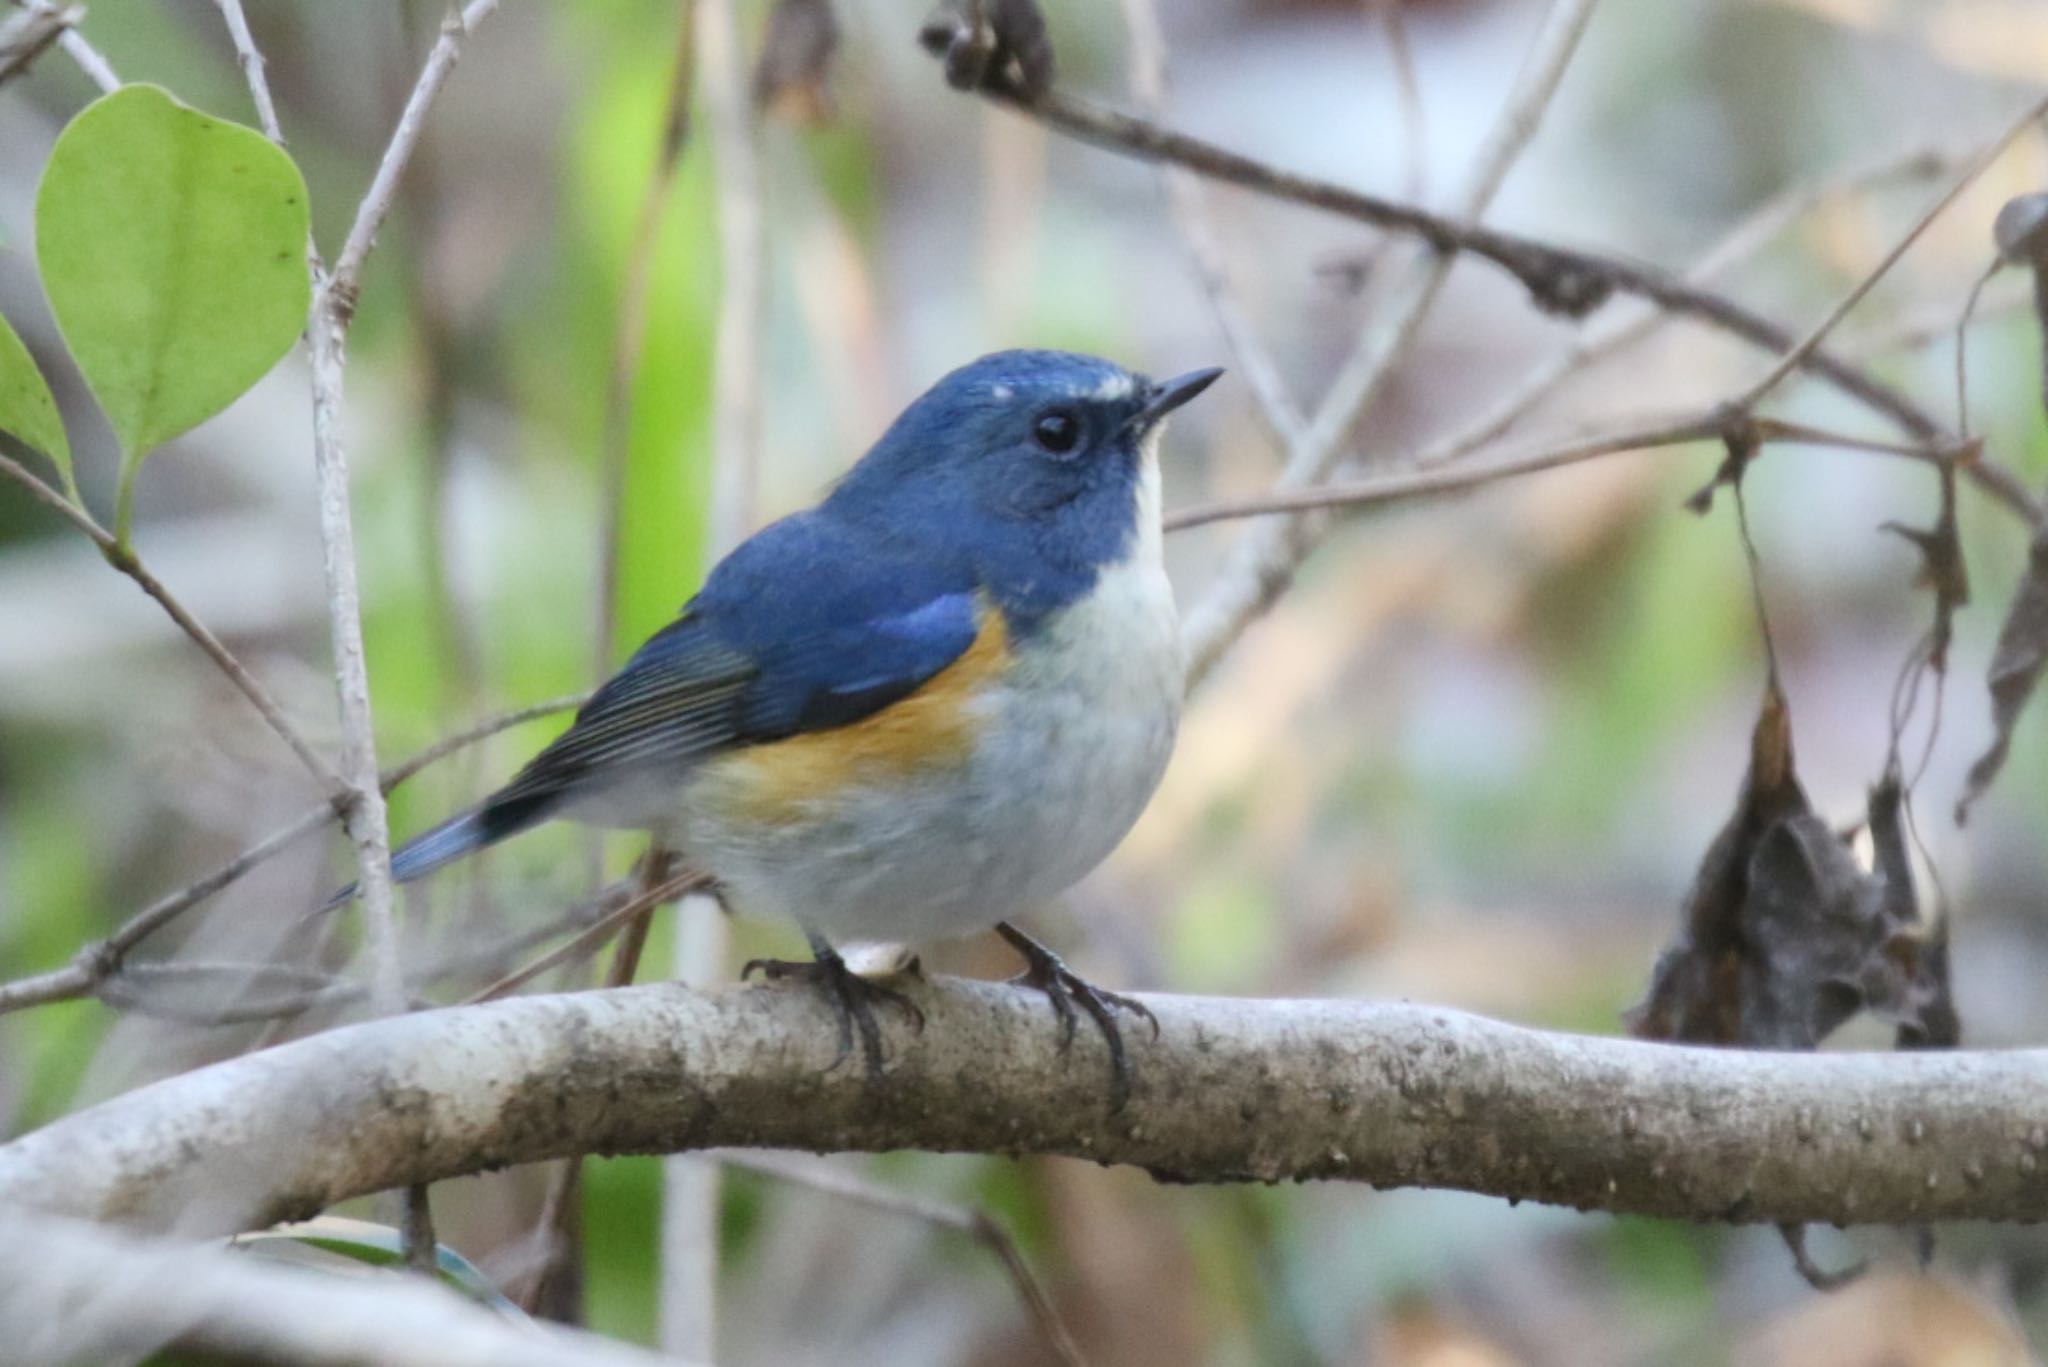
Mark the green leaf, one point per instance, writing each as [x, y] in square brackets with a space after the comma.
[27, 408]
[173, 250]
[378, 1245]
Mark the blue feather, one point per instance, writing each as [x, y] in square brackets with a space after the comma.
[831, 615]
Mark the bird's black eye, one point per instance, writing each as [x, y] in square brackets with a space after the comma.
[1058, 431]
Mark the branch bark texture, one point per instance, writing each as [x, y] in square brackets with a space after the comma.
[1233, 1090]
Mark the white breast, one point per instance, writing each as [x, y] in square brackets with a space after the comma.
[1071, 745]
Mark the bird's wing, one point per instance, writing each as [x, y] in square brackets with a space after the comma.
[803, 628]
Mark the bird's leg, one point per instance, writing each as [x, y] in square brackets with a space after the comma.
[853, 998]
[1063, 987]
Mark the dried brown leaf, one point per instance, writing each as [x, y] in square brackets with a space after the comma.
[1786, 936]
[1943, 571]
[2015, 668]
[1919, 997]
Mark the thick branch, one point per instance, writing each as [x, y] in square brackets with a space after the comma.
[1233, 1090]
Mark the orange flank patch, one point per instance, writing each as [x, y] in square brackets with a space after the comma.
[777, 781]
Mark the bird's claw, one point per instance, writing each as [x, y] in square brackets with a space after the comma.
[853, 999]
[1047, 972]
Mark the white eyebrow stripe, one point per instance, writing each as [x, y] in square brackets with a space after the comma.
[1113, 387]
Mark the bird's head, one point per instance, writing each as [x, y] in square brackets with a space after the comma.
[1037, 466]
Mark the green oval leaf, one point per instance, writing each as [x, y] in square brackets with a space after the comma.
[173, 250]
[380, 1246]
[27, 408]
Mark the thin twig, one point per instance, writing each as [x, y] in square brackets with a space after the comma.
[1568, 280]
[82, 53]
[1188, 201]
[377, 200]
[630, 335]
[976, 1224]
[215, 994]
[1261, 564]
[483, 730]
[126, 986]
[592, 939]
[251, 61]
[334, 301]
[333, 309]
[1924, 325]
[365, 817]
[1393, 17]
[29, 34]
[103, 958]
[416, 1232]
[124, 559]
[1807, 345]
[1617, 328]
[1409, 485]
[455, 629]
[1961, 331]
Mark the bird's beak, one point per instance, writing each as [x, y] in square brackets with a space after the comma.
[1167, 395]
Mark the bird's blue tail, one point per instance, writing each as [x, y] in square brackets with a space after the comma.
[455, 837]
[449, 841]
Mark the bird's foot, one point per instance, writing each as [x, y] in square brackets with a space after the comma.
[853, 999]
[1064, 988]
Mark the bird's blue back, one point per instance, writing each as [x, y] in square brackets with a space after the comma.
[832, 613]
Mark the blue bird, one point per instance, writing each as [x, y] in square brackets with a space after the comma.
[934, 700]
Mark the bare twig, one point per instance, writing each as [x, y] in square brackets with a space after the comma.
[1617, 328]
[1409, 485]
[1393, 17]
[1380, 1092]
[124, 559]
[377, 200]
[976, 1224]
[203, 993]
[83, 54]
[333, 309]
[1189, 204]
[28, 35]
[1261, 564]
[1807, 345]
[593, 938]
[251, 62]
[1934, 322]
[1571, 281]
[364, 817]
[483, 730]
[103, 958]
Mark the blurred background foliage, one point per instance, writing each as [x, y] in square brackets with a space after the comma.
[1472, 759]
